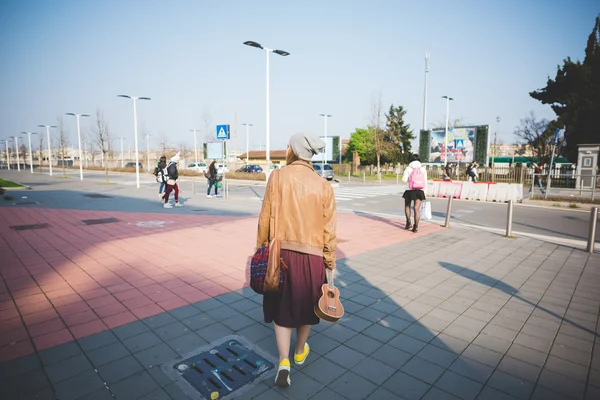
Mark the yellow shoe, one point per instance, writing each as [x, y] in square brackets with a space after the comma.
[300, 358]
[283, 374]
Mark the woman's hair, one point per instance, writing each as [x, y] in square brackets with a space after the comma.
[212, 164]
[414, 157]
[163, 158]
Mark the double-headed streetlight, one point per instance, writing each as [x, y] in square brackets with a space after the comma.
[247, 139]
[267, 51]
[79, 142]
[30, 150]
[49, 145]
[446, 131]
[195, 144]
[325, 116]
[137, 157]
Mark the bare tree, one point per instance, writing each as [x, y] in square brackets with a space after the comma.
[381, 145]
[538, 134]
[62, 141]
[102, 138]
[207, 122]
[163, 142]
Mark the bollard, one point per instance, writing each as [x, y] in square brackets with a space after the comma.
[397, 178]
[364, 176]
[226, 188]
[592, 232]
[448, 211]
[509, 219]
[580, 186]
[348, 176]
[193, 187]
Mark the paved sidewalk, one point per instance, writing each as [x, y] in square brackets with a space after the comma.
[100, 311]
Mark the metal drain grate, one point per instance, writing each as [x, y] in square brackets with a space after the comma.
[99, 221]
[223, 369]
[29, 227]
[97, 196]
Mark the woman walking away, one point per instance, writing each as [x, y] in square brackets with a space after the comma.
[173, 176]
[212, 179]
[306, 230]
[416, 177]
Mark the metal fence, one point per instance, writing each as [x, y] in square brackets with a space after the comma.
[565, 186]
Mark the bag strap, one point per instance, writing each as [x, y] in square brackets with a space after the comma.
[274, 205]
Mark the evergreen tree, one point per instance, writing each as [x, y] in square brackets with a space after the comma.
[574, 95]
[398, 135]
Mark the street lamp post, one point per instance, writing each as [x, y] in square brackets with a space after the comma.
[268, 125]
[195, 145]
[247, 140]
[79, 142]
[17, 151]
[137, 158]
[325, 116]
[148, 150]
[446, 131]
[49, 145]
[7, 155]
[30, 150]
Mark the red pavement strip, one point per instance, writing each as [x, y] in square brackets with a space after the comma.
[73, 280]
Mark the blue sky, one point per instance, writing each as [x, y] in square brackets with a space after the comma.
[188, 56]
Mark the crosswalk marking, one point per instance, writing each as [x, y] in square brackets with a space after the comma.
[358, 192]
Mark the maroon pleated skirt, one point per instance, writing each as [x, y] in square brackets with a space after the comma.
[293, 306]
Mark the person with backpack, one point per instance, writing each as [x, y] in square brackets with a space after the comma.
[212, 176]
[172, 176]
[159, 173]
[415, 176]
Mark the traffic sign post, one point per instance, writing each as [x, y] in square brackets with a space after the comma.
[223, 132]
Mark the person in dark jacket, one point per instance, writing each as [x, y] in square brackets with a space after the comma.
[173, 176]
[160, 176]
[212, 176]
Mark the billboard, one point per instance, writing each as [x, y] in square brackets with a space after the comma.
[461, 145]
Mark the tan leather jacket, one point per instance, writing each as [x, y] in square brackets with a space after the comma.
[307, 216]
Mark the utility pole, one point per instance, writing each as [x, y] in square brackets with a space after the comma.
[425, 95]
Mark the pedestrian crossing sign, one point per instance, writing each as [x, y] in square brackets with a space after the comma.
[222, 132]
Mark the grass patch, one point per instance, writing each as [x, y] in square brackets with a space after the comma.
[573, 205]
[9, 184]
[556, 205]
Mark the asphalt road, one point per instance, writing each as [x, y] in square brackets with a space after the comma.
[386, 200]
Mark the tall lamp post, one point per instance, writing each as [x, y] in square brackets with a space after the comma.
[49, 145]
[7, 154]
[30, 150]
[137, 157]
[247, 139]
[425, 95]
[79, 142]
[446, 131]
[267, 51]
[325, 116]
[17, 151]
[148, 150]
[195, 145]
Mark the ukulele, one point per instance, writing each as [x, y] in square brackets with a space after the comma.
[329, 308]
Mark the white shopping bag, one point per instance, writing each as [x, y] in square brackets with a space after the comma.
[426, 210]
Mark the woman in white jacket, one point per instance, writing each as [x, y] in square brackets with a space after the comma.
[416, 177]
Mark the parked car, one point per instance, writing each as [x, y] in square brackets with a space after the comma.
[326, 173]
[222, 168]
[131, 164]
[251, 169]
[274, 166]
[198, 167]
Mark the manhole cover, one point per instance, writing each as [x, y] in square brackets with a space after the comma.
[223, 369]
[26, 203]
[200, 210]
[29, 227]
[97, 196]
[99, 221]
